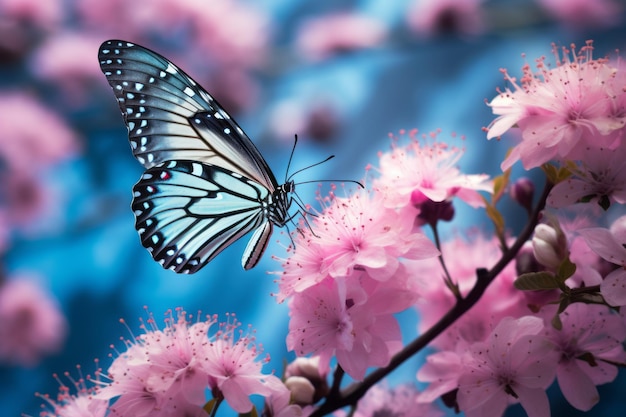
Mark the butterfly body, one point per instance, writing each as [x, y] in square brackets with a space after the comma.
[206, 185]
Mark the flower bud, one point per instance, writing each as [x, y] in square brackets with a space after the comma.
[549, 245]
[433, 211]
[523, 191]
[309, 369]
[302, 391]
[526, 262]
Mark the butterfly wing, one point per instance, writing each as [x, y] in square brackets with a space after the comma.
[170, 117]
[187, 212]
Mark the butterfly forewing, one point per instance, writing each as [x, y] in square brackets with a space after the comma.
[187, 212]
[160, 102]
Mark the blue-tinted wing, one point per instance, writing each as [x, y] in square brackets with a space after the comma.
[170, 117]
[187, 212]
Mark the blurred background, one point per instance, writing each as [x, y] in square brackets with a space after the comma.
[341, 74]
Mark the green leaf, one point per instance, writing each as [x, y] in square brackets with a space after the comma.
[537, 281]
[496, 218]
[499, 185]
[566, 269]
[588, 298]
[557, 174]
[210, 406]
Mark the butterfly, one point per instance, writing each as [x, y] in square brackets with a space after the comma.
[206, 185]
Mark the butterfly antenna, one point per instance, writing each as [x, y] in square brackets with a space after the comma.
[293, 150]
[317, 181]
[310, 166]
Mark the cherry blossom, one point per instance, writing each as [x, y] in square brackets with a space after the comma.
[83, 403]
[32, 134]
[31, 322]
[320, 37]
[601, 178]
[422, 171]
[583, 12]
[609, 244]
[165, 371]
[564, 111]
[353, 233]
[515, 363]
[355, 323]
[587, 330]
[433, 17]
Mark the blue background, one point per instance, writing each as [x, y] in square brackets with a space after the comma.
[90, 257]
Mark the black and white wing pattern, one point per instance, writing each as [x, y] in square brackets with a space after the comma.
[170, 117]
[187, 212]
[206, 184]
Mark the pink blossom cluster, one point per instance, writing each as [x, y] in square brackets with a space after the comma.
[350, 272]
[505, 349]
[32, 139]
[572, 112]
[168, 371]
[345, 281]
[512, 345]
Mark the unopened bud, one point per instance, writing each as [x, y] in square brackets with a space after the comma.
[523, 191]
[302, 391]
[309, 368]
[526, 262]
[549, 245]
[433, 211]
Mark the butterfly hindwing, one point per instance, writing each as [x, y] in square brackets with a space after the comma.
[187, 212]
[160, 103]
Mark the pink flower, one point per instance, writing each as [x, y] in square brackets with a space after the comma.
[442, 371]
[609, 244]
[579, 13]
[61, 60]
[601, 177]
[515, 363]
[165, 371]
[433, 17]
[47, 14]
[564, 111]
[230, 362]
[350, 320]
[322, 37]
[399, 401]
[462, 258]
[84, 403]
[31, 322]
[587, 330]
[32, 135]
[418, 172]
[354, 233]
[25, 199]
